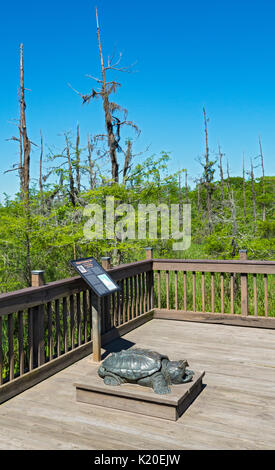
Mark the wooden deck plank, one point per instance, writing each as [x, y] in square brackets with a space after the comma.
[236, 409]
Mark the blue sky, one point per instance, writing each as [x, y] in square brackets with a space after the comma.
[214, 53]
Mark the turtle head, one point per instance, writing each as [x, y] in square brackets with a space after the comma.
[177, 371]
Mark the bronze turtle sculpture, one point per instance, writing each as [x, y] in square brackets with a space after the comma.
[144, 367]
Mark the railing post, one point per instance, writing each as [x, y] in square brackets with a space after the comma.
[38, 278]
[38, 323]
[106, 262]
[244, 286]
[149, 255]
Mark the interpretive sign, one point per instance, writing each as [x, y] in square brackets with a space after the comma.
[95, 276]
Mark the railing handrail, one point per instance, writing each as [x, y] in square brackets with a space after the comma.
[205, 265]
[33, 296]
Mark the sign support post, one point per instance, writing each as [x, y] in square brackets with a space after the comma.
[102, 285]
[96, 330]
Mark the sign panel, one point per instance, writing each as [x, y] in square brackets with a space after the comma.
[95, 276]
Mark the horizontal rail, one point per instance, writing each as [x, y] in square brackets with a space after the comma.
[34, 296]
[218, 266]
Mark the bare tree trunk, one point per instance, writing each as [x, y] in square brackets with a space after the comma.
[108, 114]
[221, 177]
[206, 173]
[20, 171]
[26, 142]
[253, 196]
[186, 188]
[244, 194]
[263, 180]
[234, 244]
[26, 166]
[127, 160]
[77, 160]
[41, 164]
[91, 164]
[199, 196]
[71, 178]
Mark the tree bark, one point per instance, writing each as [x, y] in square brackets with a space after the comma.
[71, 178]
[77, 160]
[263, 179]
[26, 142]
[244, 194]
[108, 114]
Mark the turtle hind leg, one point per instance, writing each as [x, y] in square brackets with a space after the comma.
[160, 385]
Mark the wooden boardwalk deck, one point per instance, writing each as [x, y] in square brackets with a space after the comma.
[235, 410]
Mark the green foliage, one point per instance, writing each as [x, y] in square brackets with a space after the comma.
[54, 227]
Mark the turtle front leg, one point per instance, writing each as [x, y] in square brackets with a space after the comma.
[159, 384]
[112, 379]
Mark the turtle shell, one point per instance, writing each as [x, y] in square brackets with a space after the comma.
[134, 364]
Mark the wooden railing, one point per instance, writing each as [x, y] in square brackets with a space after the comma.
[224, 287]
[45, 328]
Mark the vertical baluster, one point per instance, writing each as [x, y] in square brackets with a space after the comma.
[90, 314]
[123, 300]
[167, 290]
[1, 350]
[21, 342]
[65, 323]
[57, 325]
[143, 293]
[127, 306]
[30, 337]
[222, 292]
[203, 291]
[85, 328]
[232, 293]
[119, 305]
[184, 291]
[148, 291]
[255, 295]
[102, 302]
[265, 296]
[159, 291]
[152, 290]
[212, 293]
[132, 296]
[176, 290]
[140, 300]
[72, 322]
[78, 318]
[194, 291]
[11, 348]
[50, 332]
[113, 310]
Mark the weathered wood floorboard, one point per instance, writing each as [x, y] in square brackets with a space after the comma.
[236, 409]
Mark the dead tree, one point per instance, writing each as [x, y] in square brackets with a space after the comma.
[208, 174]
[244, 193]
[77, 160]
[253, 196]
[221, 177]
[70, 172]
[127, 160]
[25, 139]
[91, 164]
[263, 180]
[113, 123]
[41, 164]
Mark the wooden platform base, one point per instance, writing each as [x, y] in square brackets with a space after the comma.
[137, 399]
